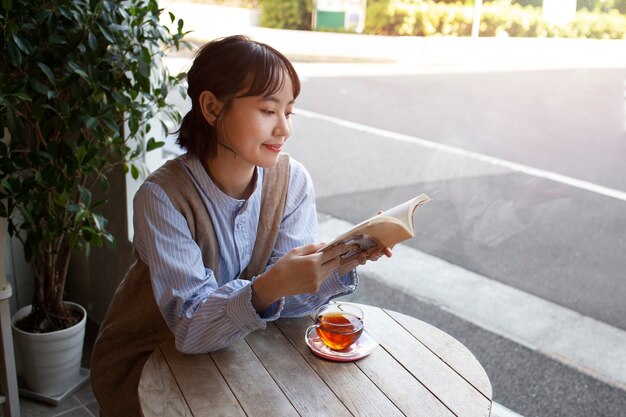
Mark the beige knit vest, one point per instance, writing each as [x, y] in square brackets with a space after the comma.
[133, 326]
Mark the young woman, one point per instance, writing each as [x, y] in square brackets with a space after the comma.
[224, 233]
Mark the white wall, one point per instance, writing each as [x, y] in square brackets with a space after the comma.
[18, 272]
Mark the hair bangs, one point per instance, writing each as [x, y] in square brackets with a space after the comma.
[267, 73]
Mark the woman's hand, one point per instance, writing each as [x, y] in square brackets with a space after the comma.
[363, 258]
[301, 271]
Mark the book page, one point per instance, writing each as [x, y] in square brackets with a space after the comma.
[404, 212]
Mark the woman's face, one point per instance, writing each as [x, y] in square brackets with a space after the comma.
[257, 127]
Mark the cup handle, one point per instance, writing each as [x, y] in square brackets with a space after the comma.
[309, 330]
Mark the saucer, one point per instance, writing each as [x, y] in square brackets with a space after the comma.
[364, 345]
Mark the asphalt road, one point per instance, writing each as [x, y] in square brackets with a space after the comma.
[569, 121]
[562, 243]
[559, 241]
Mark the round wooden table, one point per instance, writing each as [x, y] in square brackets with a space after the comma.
[417, 370]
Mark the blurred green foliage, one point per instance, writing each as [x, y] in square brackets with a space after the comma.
[428, 18]
[286, 14]
[602, 6]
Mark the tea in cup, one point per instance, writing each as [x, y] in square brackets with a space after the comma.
[338, 325]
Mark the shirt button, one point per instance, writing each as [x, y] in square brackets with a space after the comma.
[239, 225]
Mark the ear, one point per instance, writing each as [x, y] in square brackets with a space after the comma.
[210, 106]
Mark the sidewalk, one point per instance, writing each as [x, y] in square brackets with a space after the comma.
[209, 22]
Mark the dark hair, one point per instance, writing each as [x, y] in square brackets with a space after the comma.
[226, 67]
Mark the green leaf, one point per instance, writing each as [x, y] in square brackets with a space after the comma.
[39, 87]
[15, 56]
[91, 123]
[133, 124]
[65, 13]
[21, 96]
[134, 172]
[105, 32]
[109, 240]
[109, 6]
[153, 144]
[85, 195]
[80, 153]
[81, 215]
[119, 28]
[111, 125]
[22, 44]
[78, 70]
[104, 183]
[97, 221]
[92, 41]
[47, 71]
[145, 55]
[60, 199]
[144, 69]
[121, 99]
[28, 216]
[90, 234]
[6, 185]
[6, 5]
[57, 39]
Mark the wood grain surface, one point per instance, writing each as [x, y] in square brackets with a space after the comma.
[417, 370]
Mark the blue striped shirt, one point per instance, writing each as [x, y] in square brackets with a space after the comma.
[205, 312]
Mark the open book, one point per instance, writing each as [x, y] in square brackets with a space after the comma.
[381, 231]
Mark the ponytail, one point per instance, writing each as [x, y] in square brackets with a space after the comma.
[196, 135]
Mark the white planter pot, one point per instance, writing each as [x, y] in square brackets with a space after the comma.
[50, 362]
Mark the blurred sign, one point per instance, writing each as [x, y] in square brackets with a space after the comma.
[559, 12]
[340, 14]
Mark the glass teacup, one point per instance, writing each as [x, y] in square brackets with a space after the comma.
[338, 325]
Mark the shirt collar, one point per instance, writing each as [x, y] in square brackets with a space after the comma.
[212, 191]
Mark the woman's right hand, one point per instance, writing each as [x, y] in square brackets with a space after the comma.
[301, 271]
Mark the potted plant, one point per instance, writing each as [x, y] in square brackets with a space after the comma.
[79, 81]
